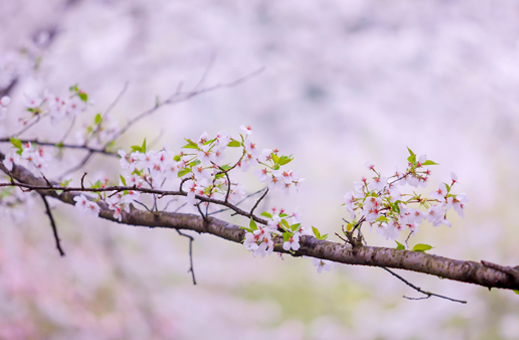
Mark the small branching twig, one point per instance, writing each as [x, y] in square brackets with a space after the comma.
[191, 267]
[53, 225]
[258, 201]
[418, 289]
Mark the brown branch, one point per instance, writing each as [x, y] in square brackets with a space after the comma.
[62, 145]
[53, 225]
[446, 268]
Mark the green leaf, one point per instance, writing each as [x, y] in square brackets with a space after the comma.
[516, 291]
[98, 119]
[225, 167]
[316, 232]
[234, 144]
[65, 183]
[395, 206]
[324, 237]
[411, 159]
[382, 219]
[253, 225]
[411, 152]
[83, 96]
[184, 172]
[295, 227]
[73, 88]
[16, 142]
[123, 180]
[283, 215]
[275, 158]
[194, 163]
[97, 184]
[176, 158]
[190, 145]
[285, 160]
[143, 147]
[60, 145]
[422, 247]
[399, 245]
[136, 148]
[428, 162]
[248, 229]
[285, 224]
[266, 214]
[350, 226]
[286, 236]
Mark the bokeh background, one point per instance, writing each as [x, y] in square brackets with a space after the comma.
[344, 82]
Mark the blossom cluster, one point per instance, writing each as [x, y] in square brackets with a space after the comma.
[260, 239]
[58, 107]
[380, 203]
[201, 168]
[34, 157]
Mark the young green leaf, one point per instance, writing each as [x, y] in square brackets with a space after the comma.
[295, 227]
[16, 142]
[399, 245]
[191, 145]
[136, 148]
[428, 162]
[98, 119]
[248, 229]
[123, 180]
[184, 172]
[316, 232]
[411, 152]
[83, 96]
[253, 225]
[285, 160]
[422, 247]
[275, 158]
[266, 214]
[143, 147]
[234, 144]
[176, 158]
[382, 219]
[516, 291]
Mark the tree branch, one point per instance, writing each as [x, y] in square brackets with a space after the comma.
[446, 268]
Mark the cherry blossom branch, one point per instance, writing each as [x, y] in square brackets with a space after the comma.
[62, 145]
[418, 289]
[53, 224]
[421, 262]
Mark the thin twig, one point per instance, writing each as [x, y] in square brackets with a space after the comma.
[191, 267]
[79, 165]
[61, 145]
[144, 205]
[53, 225]
[418, 289]
[237, 204]
[68, 130]
[258, 201]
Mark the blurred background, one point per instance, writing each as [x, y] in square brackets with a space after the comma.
[343, 83]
